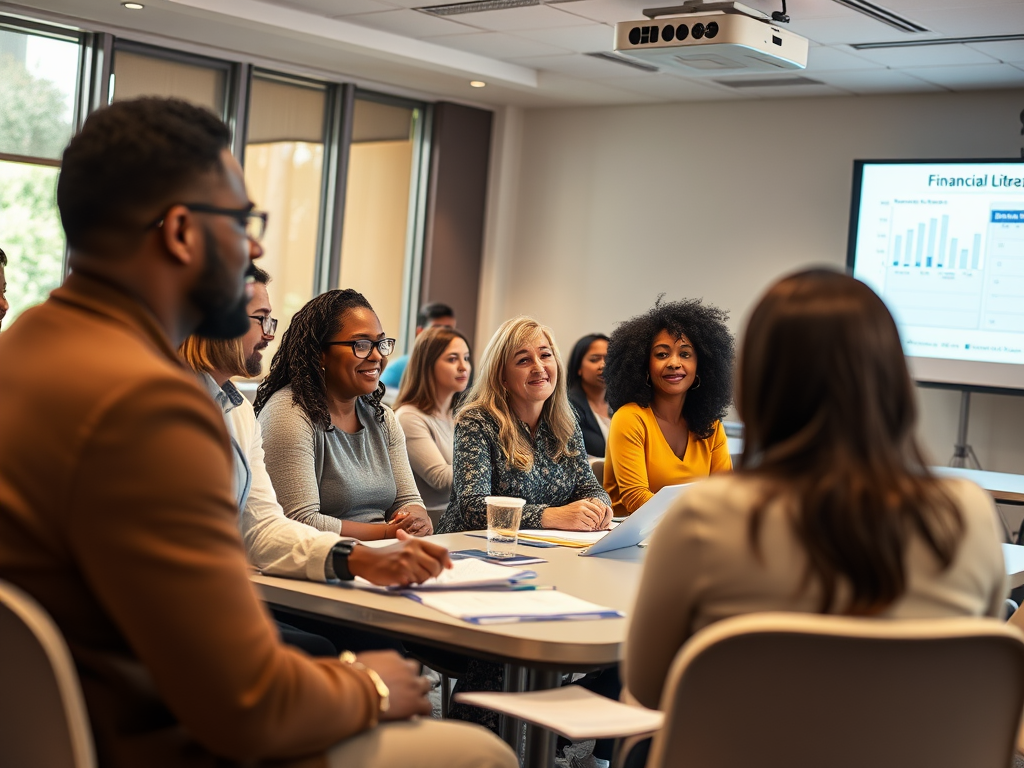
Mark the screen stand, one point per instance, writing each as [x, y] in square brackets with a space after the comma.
[963, 453]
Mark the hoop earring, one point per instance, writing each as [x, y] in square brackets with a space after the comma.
[697, 384]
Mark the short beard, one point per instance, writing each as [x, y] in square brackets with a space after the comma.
[254, 364]
[223, 317]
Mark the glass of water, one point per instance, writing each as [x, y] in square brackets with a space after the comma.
[503, 516]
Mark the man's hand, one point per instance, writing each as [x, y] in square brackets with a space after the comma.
[411, 518]
[410, 561]
[407, 689]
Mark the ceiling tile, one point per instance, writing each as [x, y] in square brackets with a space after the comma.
[605, 11]
[584, 39]
[497, 45]
[825, 59]
[527, 17]
[334, 8]
[975, 19]
[672, 88]
[971, 78]
[927, 56]
[851, 27]
[410, 23]
[584, 67]
[1010, 50]
[867, 81]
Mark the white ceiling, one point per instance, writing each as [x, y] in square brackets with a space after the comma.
[534, 56]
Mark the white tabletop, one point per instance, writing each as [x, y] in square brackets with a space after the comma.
[1003, 486]
[611, 580]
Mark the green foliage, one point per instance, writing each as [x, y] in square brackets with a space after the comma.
[30, 234]
[31, 121]
[31, 124]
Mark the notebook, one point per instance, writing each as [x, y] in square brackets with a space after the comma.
[470, 573]
[483, 607]
[640, 525]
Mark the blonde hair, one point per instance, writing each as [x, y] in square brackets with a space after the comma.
[209, 355]
[490, 396]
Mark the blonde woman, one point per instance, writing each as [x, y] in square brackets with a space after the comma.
[517, 436]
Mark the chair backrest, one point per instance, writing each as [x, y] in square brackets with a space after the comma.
[805, 691]
[43, 720]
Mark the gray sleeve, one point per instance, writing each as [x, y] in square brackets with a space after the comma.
[405, 482]
[289, 445]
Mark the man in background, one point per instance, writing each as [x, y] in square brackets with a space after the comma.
[430, 315]
[116, 504]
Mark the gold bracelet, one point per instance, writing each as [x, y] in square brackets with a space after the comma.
[347, 657]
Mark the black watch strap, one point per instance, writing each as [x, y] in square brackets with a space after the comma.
[339, 559]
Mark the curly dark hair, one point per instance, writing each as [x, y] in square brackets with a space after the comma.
[629, 350]
[297, 361]
[133, 159]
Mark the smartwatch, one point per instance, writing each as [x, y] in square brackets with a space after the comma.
[339, 559]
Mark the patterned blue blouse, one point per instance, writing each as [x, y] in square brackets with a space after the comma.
[480, 470]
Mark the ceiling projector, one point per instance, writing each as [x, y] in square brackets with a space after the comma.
[711, 39]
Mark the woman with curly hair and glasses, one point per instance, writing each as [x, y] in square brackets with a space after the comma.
[669, 381]
[335, 454]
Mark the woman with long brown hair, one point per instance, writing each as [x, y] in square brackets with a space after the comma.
[434, 380]
[832, 509]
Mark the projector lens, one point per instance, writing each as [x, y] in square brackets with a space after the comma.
[667, 34]
[682, 31]
[711, 30]
[698, 31]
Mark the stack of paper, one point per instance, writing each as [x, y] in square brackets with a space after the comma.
[572, 711]
[464, 574]
[513, 606]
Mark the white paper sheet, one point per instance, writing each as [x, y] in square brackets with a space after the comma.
[484, 607]
[465, 574]
[572, 711]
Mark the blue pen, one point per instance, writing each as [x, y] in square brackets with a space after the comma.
[528, 588]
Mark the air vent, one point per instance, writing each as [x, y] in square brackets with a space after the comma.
[479, 6]
[938, 41]
[884, 15]
[768, 82]
[608, 56]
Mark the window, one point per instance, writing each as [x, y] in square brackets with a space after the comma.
[284, 161]
[376, 246]
[144, 71]
[38, 90]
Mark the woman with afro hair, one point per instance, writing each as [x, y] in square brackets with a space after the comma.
[669, 381]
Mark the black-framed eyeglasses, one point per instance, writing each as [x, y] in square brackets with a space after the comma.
[254, 222]
[268, 323]
[362, 347]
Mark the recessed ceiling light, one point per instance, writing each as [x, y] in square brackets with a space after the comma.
[133, 6]
[477, 83]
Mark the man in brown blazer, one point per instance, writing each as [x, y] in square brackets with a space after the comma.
[116, 504]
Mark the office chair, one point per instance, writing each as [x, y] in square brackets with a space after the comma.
[43, 720]
[804, 691]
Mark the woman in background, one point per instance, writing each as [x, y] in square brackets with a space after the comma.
[435, 378]
[587, 391]
[833, 508]
[669, 380]
[335, 454]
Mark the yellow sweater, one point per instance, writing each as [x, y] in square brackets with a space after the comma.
[639, 461]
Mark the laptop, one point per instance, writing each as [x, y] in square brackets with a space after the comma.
[640, 525]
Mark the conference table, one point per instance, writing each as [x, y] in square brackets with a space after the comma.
[535, 654]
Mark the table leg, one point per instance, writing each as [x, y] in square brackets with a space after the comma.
[540, 742]
[511, 728]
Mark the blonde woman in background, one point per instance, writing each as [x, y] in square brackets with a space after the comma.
[435, 378]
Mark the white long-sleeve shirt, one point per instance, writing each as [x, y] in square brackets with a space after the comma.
[274, 543]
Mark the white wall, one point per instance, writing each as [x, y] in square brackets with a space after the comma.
[595, 211]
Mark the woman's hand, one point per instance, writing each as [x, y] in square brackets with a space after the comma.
[412, 519]
[582, 515]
